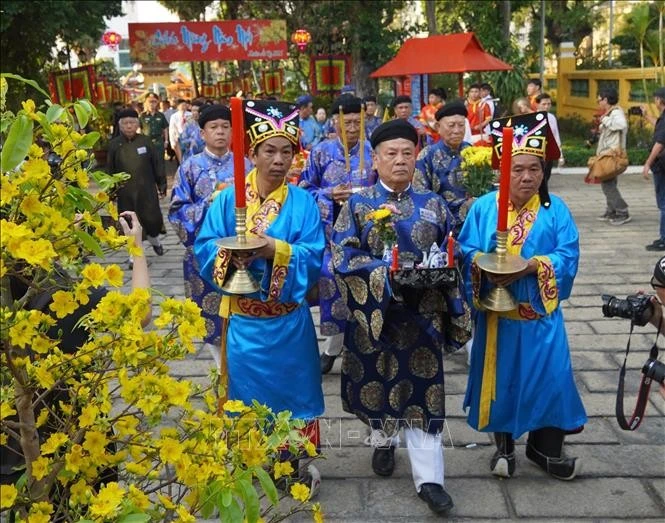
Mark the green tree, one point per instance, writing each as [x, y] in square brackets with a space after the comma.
[30, 29]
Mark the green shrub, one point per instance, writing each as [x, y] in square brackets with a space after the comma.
[577, 156]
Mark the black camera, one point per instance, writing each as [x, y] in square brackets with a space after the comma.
[654, 370]
[637, 308]
[636, 110]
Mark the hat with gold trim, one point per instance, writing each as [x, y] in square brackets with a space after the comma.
[531, 135]
[268, 118]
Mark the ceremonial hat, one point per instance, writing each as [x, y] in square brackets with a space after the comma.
[394, 129]
[451, 109]
[402, 99]
[348, 103]
[214, 112]
[267, 118]
[303, 100]
[127, 113]
[348, 89]
[531, 135]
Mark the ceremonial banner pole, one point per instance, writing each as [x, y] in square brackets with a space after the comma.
[241, 281]
[499, 298]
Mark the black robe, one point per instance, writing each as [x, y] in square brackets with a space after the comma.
[139, 194]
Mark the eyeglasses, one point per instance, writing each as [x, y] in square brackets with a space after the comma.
[655, 284]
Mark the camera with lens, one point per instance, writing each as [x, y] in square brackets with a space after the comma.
[636, 110]
[637, 308]
[654, 370]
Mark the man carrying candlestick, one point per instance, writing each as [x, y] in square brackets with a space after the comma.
[392, 366]
[335, 169]
[268, 336]
[521, 378]
[198, 181]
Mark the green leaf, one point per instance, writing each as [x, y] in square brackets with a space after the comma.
[18, 142]
[31, 83]
[232, 514]
[89, 140]
[226, 496]
[210, 498]
[267, 485]
[250, 498]
[135, 518]
[89, 242]
[89, 107]
[54, 112]
[82, 114]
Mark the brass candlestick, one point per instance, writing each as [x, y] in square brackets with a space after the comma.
[241, 281]
[499, 298]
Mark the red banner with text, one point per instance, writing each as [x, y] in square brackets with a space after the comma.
[205, 41]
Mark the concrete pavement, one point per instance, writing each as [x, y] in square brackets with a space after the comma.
[623, 474]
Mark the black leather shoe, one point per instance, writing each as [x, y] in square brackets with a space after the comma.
[437, 499]
[502, 463]
[159, 249]
[383, 461]
[327, 363]
[559, 468]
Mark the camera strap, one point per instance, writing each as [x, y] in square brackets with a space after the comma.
[645, 386]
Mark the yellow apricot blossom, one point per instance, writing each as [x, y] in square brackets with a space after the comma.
[300, 492]
[53, 443]
[40, 467]
[8, 495]
[63, 304]
[282, 468]
[94, 274]
[6, 410]
[114, 275]
[108, 501]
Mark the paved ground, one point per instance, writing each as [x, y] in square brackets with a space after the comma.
[623, 476]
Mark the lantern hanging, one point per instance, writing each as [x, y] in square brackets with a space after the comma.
[301, 38]
[112, 40]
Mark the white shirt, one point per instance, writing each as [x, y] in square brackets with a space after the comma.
[176, 125]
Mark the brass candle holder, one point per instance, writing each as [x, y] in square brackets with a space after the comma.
[241, 281]
[499, 298]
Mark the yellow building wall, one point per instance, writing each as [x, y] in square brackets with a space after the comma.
[575, 91]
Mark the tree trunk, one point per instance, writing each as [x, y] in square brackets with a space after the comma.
[196, 84]
[360, 71]
[505, 20]
[430, 13]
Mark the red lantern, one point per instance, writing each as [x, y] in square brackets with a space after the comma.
[112, 39]
[301, 38]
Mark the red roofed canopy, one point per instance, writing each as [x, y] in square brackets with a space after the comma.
[453, 53]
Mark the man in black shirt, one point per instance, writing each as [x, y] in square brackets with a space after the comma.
[656, 164]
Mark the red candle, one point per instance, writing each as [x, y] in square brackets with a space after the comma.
[238, 140]
[451, 250]
[504, 181]
[395, 259]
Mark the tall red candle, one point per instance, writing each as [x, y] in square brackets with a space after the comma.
[504, 181]
[451, 250]
[395, 258]
[238, 141]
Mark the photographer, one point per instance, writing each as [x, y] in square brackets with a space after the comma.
[658, 285]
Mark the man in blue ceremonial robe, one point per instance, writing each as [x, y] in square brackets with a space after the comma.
[327, 178]
[439, 166]
[199, 179]
[521, 378]
[268, 336]
[392, 363]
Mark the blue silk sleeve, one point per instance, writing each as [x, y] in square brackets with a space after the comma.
[186, 210]
[299, 251]
[219, 223]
